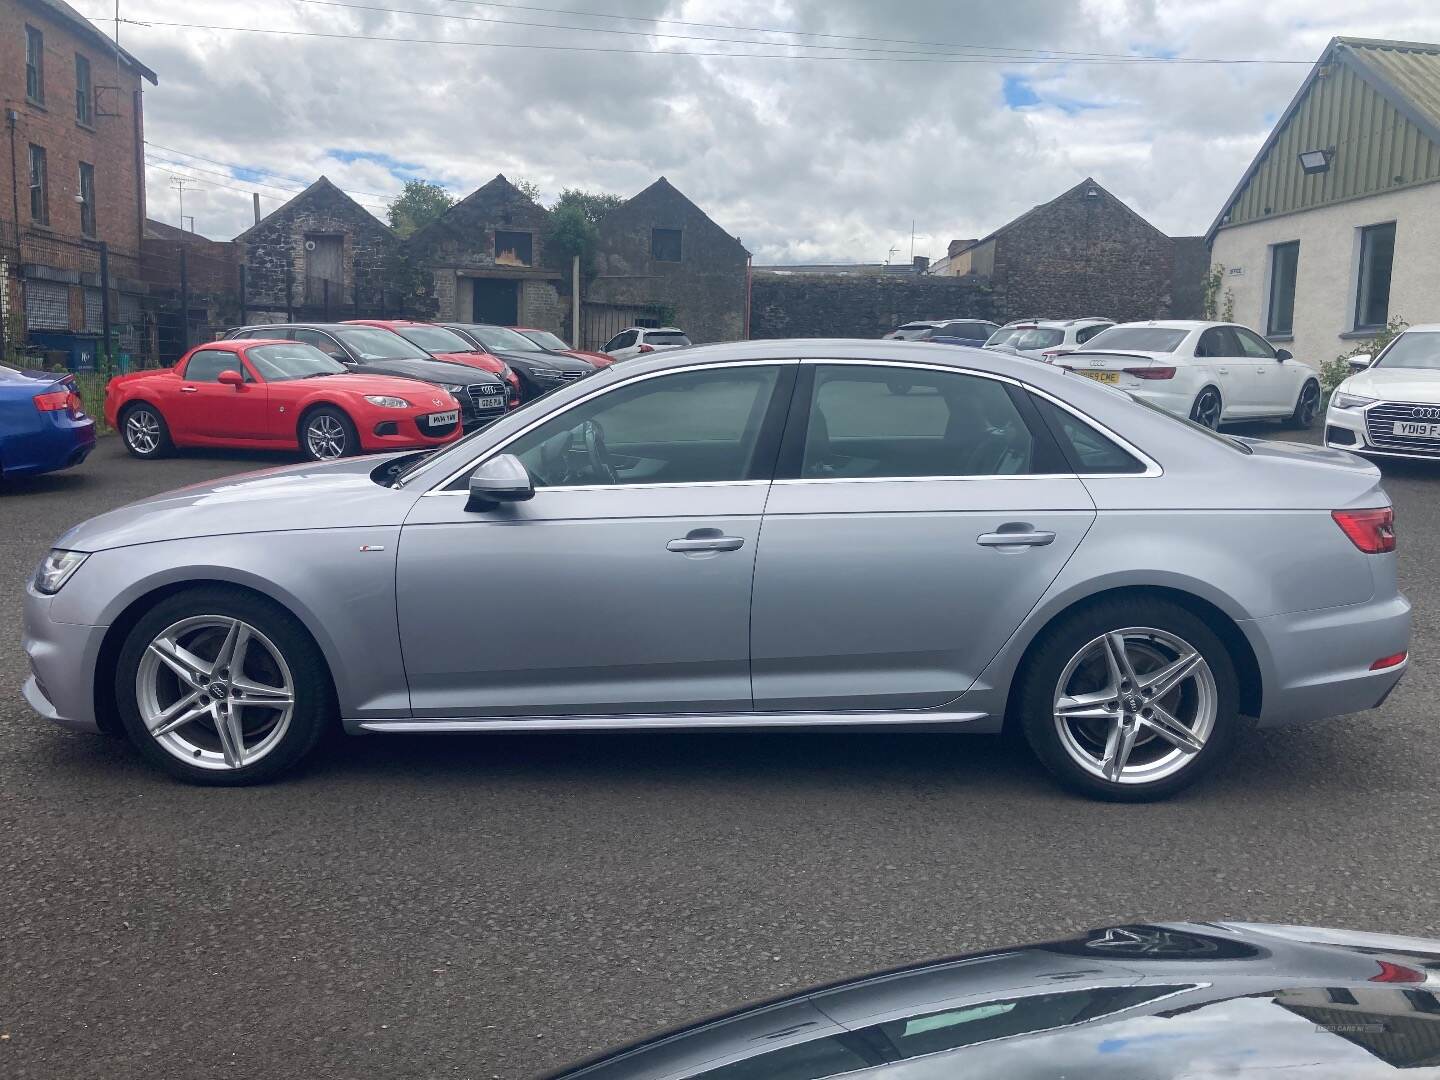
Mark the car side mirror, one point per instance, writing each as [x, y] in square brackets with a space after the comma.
[231, 378]
[1361, 362]
[1283, 354]
[502, 479]
[341, 357]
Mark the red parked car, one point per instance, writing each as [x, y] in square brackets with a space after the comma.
[271, 395]
[445, 344]
[552, 343]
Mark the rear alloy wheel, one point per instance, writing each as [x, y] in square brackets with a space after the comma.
[220, 687]
[143, 431]
[1206, 409]
[327, 434]
[1307, 406]
[1130, 701]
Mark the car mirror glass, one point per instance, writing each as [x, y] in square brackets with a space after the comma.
[502, 479]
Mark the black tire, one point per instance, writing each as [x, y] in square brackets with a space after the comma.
[1038, 686]
[1207, 408]
[149, 435]
[1307, 406]
[339, 431]
[314, 710]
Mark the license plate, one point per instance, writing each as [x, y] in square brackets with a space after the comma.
[1417, 431]
[440, 419]
[496, 402]
[1101, 376]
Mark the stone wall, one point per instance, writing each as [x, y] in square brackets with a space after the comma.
[824, 305]
[1187, 289]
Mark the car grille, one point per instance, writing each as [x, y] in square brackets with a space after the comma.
[1380, 426]
[571, 376]
[476, 391]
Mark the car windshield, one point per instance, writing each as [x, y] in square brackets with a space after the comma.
[1004, 336]
[1039, 338]
[435, 339]
[295, 360]
[545, 340]
[1413, 349]
[372, 343]
[500, 337]
[653, 338]
[1139, 338]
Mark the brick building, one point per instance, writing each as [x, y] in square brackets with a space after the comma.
[661, 258]
[73, 153]
[320, 256]
[487, 255]
[1086, 253]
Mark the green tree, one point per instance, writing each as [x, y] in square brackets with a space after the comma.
[419, 204]
[529, 188]
[592, 204]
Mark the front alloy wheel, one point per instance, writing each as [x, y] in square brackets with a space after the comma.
[326, 438]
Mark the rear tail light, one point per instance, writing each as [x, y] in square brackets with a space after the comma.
[1372, 531]
[1396, 973]
[1151, 372]
[1393, 660]
[58, 401]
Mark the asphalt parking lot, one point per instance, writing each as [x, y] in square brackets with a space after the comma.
[495, 906]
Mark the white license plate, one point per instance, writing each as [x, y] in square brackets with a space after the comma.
[440, 419]
[1417, 431]
[1101, 376]
[497, 402]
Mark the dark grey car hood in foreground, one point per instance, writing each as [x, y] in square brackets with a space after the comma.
[317, 495]
[1141, 1002]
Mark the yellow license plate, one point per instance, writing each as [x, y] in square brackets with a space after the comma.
[1101, 376]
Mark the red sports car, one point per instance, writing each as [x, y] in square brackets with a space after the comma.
[445, 344]
[275, 395]
[551, 343]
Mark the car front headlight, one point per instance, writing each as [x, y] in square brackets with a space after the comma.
[56, 568]
[1350, 401]
[454, 388]
[385, 401]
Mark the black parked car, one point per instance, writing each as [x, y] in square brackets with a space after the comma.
[972, 332]
[1150, 1001]
[483, 395]
[540, 370]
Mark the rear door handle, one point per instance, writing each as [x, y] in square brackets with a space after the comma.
[706, 543]
[1029, 538]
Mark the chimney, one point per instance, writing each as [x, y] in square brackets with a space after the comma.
[921, 264]
[256, 196]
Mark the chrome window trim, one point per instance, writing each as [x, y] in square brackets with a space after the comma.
[1152, 467]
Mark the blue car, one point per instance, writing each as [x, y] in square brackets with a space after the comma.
[972, 332]
[43, 426]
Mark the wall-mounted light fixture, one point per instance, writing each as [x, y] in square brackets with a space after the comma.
[1316, 161]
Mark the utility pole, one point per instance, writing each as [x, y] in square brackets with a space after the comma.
[179, 182]
[912, 241]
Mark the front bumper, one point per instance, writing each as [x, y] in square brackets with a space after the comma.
[405, 432]
[1317, 663]
[1352, 429]
[61, 683]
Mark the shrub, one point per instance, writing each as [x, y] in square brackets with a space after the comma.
[1334, 372]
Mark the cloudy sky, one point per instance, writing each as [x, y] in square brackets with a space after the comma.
[807, 154]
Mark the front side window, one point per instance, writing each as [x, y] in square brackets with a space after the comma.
[39, 186]
[868, 421]
[1284, 266]
[1252, 345]
[34, 65]
[372, 343]
[686, 428]
[1372, 295]
[280, 363]
[207, 364]
[512, 248]
[622, 340]
[87, 198]
[84, 92]
[665, 245]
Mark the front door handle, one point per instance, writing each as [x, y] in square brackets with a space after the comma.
[189, 389]
[706, 543]
[1027, 538]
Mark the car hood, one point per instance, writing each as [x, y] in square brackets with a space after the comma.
[1395, 384]
[1164, 1000]
[544, 357]
[328, 495]
[356, 382]
[431, 371]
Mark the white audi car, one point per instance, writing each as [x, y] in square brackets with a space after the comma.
[1391, 405]
[1211, 372]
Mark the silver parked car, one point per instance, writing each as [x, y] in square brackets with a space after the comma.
[777, 534]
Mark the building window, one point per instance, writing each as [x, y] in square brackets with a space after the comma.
[87, 198]
[665, 245]
[1372, 296]
[512, 248]
[84, 92]
[34, 65]
[39, 183]
[1284, 262]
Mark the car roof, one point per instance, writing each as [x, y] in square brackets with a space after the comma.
[654, 329]
[1177, 324]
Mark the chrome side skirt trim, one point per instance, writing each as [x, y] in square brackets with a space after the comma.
[674, 722]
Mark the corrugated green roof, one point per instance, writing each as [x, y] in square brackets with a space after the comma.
[1375, 104]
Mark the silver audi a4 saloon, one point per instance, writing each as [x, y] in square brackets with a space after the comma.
[869, 535]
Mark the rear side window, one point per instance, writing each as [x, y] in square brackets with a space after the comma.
[1085, 333]
[653, 338]
[868, 422]
[1039, 339]
[1089, 450]
[621, 341]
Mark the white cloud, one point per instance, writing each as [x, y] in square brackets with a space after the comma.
[804, 160]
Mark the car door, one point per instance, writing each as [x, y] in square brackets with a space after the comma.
[623, 586]
[1233, 372]
[917, 515]
[209, 409]
[1277, 383]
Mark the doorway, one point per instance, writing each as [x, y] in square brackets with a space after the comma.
[496, 300]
